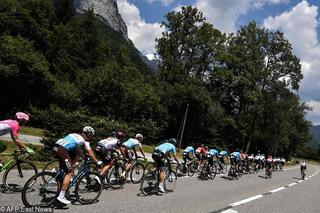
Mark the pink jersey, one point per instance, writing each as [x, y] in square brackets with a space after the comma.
[7, 126]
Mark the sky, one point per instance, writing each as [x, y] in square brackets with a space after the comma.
[297, 19]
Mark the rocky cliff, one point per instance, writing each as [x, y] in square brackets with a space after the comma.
[108, 10]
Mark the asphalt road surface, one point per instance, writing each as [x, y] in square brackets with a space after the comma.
[252, 193]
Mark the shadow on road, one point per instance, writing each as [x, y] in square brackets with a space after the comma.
[261, 176]
[297, 178]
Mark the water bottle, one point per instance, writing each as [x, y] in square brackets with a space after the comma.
[67, 164]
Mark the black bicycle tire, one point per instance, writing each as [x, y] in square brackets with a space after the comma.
[5, 175]
[132, 170]
[153, 174]
[77, 188]
[165, 180]
[25, 188]
[110, 182]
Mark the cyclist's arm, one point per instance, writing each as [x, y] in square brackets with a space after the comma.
[175, 158]
[141, 150]
[17, 141]
[91, 155]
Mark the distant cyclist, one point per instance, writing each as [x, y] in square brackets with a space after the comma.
[213, 153]
[68, 151]
[161, 153]
[235, 158]
[201, 152]
[106, 149]
[129, 146]
[303, 168]
[186, 154]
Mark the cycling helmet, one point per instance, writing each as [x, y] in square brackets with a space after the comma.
[22, 116]
[139, 136]
[88, 130]
[113, 134]
[120, 135]
[172, 140]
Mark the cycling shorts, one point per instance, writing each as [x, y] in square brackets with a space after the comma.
[186, 157]
[159, 159]
[106, 155]
[63, 154]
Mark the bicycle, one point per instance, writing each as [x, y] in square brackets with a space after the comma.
[187, 168]
[208, 171]
[17, 171]
[42, 189]
[303, 171]
[135, 172]
[150, 182]
[268, 173]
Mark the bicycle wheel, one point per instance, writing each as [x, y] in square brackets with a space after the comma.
[213, 172]
[115, 179]
[179, 170]
[170, 181]
[224, 168]
[149, 183]
[17, 175]
[88, 188]
[204, 174]
[192, 168]
[137, 173]
[39, 193]
[51, 166]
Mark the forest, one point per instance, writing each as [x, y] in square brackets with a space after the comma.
[69, 70]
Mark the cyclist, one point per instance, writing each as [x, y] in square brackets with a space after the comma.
[127, 148]
[186, 154]
[213, 153]
[222, 155]
[68, 151]
[160, 154]
[269, 164]
[303, 166]
[201, 153]
[106, 149]
[13, 127]
[235, 158]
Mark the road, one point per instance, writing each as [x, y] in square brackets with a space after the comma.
[29, 139]
[252, 193]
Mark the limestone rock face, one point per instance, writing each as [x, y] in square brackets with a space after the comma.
[108, 10]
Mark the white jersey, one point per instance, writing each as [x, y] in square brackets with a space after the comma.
[257, 157]
[251, 157]
[283, 160]
[109, 143]
[72, 141]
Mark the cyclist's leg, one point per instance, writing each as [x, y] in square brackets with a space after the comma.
[63, 154]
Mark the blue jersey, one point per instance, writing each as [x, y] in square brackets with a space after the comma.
[166, 148]
[213, 152]
[223, 153]
[235, 155]
[131, 143]
[189, 149]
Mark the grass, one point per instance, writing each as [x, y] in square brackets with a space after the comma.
[9, 147]
[32, 131]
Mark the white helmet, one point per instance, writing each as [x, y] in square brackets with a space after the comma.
[88, 130]
[139, 136]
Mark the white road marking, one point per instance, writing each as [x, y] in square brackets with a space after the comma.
[246, 200]
[292, 184]
[229, 211]
[276, 190]
[299, 181]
